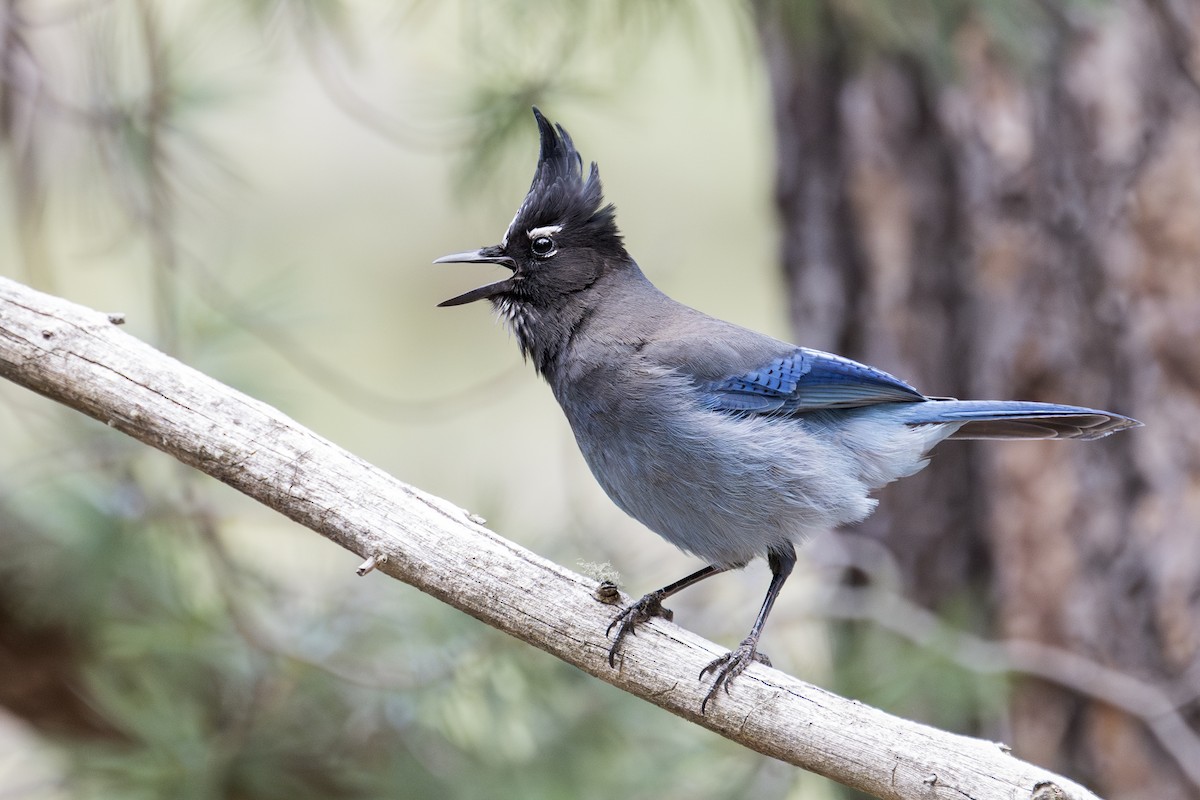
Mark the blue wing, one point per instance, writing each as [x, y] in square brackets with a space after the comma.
[806, 380]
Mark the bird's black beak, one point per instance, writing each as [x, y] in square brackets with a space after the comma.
[486, 255]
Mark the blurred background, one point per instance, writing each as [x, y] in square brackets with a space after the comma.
[988, 198]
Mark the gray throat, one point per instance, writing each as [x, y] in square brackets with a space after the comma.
[544, 336]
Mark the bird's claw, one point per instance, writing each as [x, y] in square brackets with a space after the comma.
[633, 615]
[729, 666]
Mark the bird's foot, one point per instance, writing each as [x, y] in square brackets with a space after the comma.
[730, 665]
[633, 615]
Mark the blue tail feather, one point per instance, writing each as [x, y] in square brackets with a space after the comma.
[1010, 419]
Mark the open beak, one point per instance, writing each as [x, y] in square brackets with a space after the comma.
[486, 255]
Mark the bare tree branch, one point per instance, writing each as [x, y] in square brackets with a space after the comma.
[1152, 705]
[78, 357]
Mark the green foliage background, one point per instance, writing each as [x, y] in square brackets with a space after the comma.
[260, 187]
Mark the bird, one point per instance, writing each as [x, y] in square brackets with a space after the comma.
[730, 444]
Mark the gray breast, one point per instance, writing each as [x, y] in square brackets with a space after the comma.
[723, 487]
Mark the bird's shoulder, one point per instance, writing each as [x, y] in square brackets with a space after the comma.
[709, 349]
[736, 369]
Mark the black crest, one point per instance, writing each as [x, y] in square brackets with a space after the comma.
[559, 194]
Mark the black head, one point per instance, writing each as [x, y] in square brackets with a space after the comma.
[561, 240]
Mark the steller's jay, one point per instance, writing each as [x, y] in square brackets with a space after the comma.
[727, 443]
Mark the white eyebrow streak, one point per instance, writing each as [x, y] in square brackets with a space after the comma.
[534, 233]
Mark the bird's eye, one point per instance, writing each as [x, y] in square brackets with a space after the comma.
[542, 246]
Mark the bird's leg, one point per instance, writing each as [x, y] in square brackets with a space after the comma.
[734, 663]
[651, 606]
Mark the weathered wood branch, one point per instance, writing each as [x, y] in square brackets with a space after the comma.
[78, 357]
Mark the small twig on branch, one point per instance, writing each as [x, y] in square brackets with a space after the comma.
[370, 564]
[93, 366]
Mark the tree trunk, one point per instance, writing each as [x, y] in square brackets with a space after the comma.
[1026, 233]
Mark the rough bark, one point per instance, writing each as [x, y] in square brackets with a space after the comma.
[1036, 235]
[77, 357]
[873, 250]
